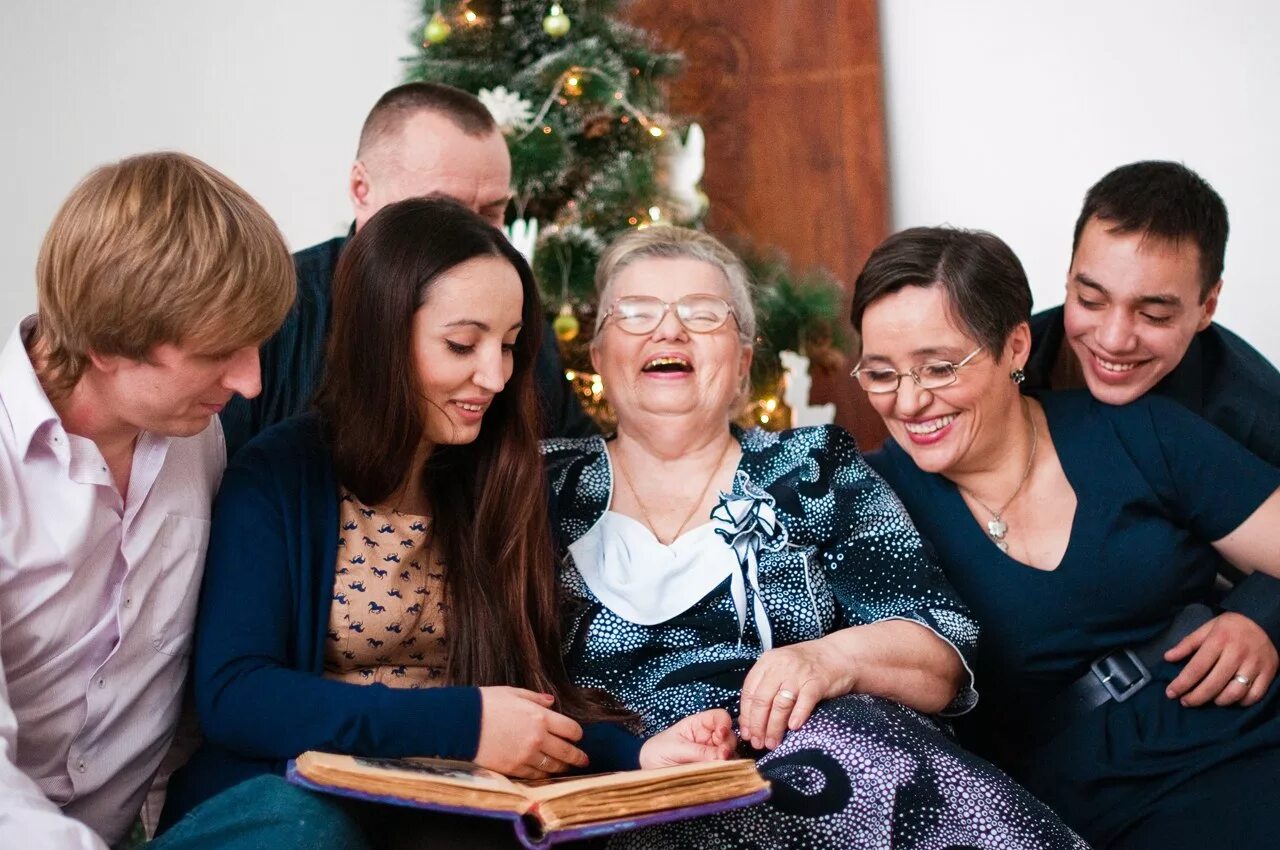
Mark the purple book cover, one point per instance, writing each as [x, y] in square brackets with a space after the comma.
[527, 829]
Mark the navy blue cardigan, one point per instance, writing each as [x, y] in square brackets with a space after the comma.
[260, 639]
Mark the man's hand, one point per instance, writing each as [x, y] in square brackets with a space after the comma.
[705, 736]
[1224, 652]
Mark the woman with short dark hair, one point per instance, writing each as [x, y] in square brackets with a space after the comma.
[1086, 539]
[380, 578]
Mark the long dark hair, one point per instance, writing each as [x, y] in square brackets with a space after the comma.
[490, 523]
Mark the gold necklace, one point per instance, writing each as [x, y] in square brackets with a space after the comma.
[997, 528]
[702, 494]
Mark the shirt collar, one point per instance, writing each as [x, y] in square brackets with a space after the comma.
[1047, 338]
[1185, 384]
[23, 398]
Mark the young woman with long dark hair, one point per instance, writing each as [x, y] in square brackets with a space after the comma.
[381, 577]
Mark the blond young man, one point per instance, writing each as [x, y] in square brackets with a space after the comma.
[157, 281]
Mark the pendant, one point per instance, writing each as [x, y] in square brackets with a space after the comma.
[997, 528]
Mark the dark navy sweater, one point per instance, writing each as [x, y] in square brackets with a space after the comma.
[260, 639]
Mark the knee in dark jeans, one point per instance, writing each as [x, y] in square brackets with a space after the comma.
[269, 813]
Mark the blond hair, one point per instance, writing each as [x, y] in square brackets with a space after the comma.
[667, 242]
[158, 248]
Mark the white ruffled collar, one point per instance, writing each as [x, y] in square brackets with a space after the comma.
[645, 582]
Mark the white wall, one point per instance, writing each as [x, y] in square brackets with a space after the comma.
[1002, 113]
[271, 92]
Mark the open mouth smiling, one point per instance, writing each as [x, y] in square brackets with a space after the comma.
[667, 364]
[929, 426]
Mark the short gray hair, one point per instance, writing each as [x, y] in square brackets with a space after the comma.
[664, 241]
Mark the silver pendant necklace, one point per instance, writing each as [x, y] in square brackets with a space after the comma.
[997, 528]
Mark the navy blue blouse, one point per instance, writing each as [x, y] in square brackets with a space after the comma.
[1155, 486]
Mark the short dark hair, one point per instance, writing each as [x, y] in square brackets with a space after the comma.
[1165, 200]
[501, 587]
[389, 113]
[984, 281]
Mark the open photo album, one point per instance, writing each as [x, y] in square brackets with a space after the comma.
[542, 812]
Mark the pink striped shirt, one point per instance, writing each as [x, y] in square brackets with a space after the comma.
[97, 600]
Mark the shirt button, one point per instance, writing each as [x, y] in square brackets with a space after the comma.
[80, 766]
[128, 603]
[102, 683]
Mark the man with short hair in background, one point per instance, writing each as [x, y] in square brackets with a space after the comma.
[419, 139]
[1145, 278]
[156, 283]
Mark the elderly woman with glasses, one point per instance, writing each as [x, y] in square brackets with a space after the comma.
[1086, 538]
[773, 575]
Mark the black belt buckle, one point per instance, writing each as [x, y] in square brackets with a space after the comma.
[1125, 690]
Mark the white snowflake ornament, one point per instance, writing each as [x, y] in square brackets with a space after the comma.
[511, 111]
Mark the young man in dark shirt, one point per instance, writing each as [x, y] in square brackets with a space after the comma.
[1144, 282]
[1145, 277]
[419, 139]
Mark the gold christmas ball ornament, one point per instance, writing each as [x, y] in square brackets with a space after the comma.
[436, 30]
[566, 325]
[556, 24]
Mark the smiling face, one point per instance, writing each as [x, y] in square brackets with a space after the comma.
[671, 371]
[1133, 306]
[464, 337]
[956, 428]
[177, 388]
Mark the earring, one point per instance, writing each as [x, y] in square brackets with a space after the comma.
[1018, 376]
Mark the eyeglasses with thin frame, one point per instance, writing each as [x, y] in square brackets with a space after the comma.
[700, 313]
[928, 376]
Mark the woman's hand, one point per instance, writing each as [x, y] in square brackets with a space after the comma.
[783, 688]
[521, 736]
[705, 736]
[1228, 646]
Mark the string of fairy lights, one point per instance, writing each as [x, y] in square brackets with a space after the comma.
[557, 25]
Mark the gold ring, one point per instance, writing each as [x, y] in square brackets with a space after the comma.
[542, 763]
[787, 695]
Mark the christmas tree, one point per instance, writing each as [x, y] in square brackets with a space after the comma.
[579, 96]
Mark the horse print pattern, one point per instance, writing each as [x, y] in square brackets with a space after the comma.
[387, 621]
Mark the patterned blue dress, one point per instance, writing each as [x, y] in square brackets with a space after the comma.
[809, 541]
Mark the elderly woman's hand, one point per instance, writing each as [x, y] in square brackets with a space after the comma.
[783, 688]
[705, 736]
